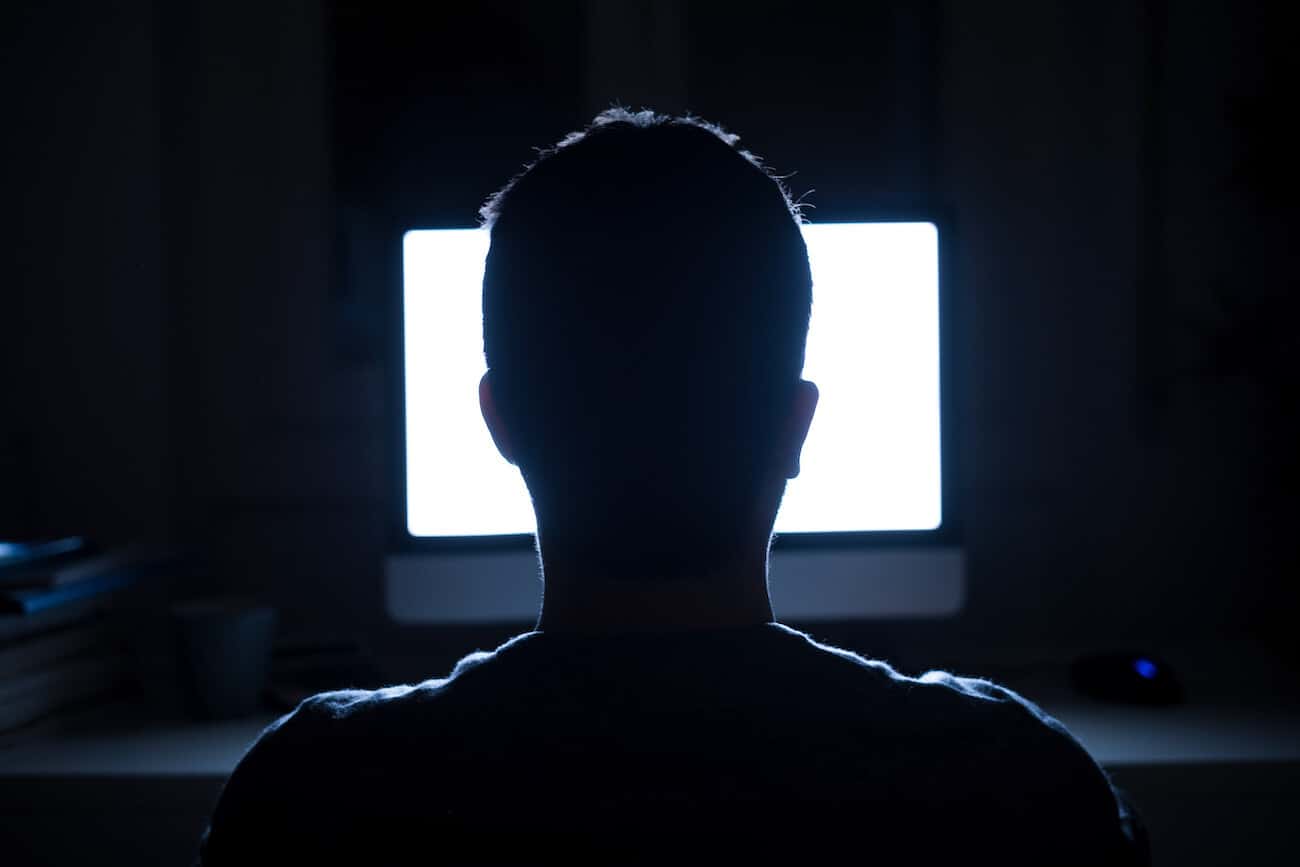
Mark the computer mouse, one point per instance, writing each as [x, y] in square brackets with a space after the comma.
[1126, 678]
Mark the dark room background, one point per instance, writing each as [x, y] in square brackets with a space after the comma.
[194, 332]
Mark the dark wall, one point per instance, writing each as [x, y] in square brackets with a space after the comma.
[1123, 476]
[86, 439]
[189, 353]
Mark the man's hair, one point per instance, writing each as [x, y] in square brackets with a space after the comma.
[645, 307]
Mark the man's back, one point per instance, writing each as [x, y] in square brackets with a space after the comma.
[751, 743]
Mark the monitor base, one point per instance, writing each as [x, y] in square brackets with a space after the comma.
[806, 585]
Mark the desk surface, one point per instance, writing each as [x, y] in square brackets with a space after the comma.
[1116, 736]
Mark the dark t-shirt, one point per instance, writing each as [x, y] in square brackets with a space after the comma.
[752, 744]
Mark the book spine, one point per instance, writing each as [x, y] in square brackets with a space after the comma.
[58, 688]
[50, 647]
[31, 601]
[17, 558]
[69, 569]
[19, 626]
[133, 559]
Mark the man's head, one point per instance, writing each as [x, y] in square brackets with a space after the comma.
[645, 306]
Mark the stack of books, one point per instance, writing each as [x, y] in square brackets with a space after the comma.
[59, 650]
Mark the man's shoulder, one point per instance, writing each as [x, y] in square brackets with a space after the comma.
[936, 698]
[985, 749]
[322, 740]
[970, 730]
[370, 717]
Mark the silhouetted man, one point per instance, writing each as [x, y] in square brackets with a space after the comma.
[645, 305]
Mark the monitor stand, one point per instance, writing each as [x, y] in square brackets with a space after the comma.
[806, 585]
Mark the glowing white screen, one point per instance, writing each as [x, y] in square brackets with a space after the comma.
[872, 458]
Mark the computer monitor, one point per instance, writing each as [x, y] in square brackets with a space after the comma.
[867, 528]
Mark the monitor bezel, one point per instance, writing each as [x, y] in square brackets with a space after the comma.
[948, 533]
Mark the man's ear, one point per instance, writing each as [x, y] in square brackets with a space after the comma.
[800, 417]
[488, 405]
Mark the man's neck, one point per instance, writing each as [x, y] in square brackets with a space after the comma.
[575, 601]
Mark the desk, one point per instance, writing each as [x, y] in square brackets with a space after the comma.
[1214, 786]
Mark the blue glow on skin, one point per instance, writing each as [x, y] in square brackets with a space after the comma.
[1145, 668]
